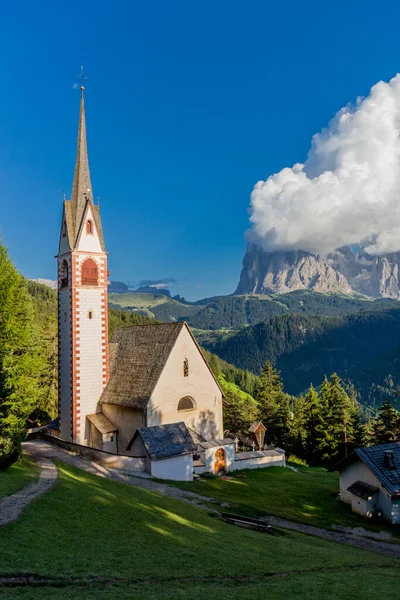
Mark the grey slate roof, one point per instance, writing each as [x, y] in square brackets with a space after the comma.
[363, 490]
[166, 441]
[101, 423]
[374, 458]
[259, 454]
[196, 437]
[215, 443]
[137, 357]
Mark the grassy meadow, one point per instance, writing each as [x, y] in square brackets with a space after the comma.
[20, 474]
[308, 496]
[90, 537]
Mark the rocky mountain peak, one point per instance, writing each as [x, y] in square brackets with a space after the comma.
[342, 271]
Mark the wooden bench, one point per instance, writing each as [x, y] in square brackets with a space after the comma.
[246, 522]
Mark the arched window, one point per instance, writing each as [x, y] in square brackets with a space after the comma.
[186, 403]
[89, 227]
[89, 272]
[64, 274]
[186, 368]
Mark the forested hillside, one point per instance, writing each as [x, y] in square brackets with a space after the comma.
[364, 349]
[235, 312]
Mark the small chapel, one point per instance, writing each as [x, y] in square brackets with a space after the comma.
[148, 396]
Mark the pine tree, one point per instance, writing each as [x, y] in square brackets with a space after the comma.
[312, 423]
[386, 426]
[360, 434]
[271, 387]
[19, 360]
[239, 413]
[335, 430]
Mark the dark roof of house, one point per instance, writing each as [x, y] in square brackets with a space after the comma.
[363, 490]
[137, 357]
[374, 458]
[166, 441]
[101, 423]
[255, 426]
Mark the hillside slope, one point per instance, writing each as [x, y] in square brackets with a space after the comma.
[363, 348]
[153, 546]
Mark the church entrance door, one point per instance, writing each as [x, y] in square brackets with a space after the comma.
[219, 461]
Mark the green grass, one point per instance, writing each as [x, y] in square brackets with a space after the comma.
[19, 475]
[87, 527]
[309, 496]
[228, 386]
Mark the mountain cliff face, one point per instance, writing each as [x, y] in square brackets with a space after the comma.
[342, 271]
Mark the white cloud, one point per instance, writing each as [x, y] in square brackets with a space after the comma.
[348, 190]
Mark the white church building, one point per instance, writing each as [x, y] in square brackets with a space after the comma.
[149, 396]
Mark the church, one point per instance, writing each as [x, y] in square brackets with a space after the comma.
[148, 396]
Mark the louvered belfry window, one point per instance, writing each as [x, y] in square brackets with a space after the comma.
[64, 274]
[89, 272]
[186, 403]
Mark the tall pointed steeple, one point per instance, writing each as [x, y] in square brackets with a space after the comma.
[82, 301]
[82, 187]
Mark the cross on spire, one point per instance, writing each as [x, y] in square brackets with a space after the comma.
[82, 77]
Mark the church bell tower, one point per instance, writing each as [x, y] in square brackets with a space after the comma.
[82, 301]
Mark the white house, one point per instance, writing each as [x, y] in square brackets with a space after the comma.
[370, 481]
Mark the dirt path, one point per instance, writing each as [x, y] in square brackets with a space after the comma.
[12, 506]
[46, 451]
[49, 451]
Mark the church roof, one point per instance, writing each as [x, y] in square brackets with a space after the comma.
[82, 192]
[166, 441]
[101, 423]
[137, 357]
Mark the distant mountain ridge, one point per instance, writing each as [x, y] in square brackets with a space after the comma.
[342, 271]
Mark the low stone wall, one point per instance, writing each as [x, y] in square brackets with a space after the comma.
[114, 461]
[259, 459]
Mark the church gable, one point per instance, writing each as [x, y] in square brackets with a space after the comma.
[187, 390]
[88, 237]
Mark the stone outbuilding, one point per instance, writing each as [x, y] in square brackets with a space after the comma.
[370, 481]
[167, 449]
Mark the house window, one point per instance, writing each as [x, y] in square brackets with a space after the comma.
[89, 272]
[64, 274]
[64, 230]
[89, 227]
[186, 403]
[186, 368]
[90, 314]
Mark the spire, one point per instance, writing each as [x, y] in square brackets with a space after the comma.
[82, 187]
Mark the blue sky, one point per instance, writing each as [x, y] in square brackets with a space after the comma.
[188, 105]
